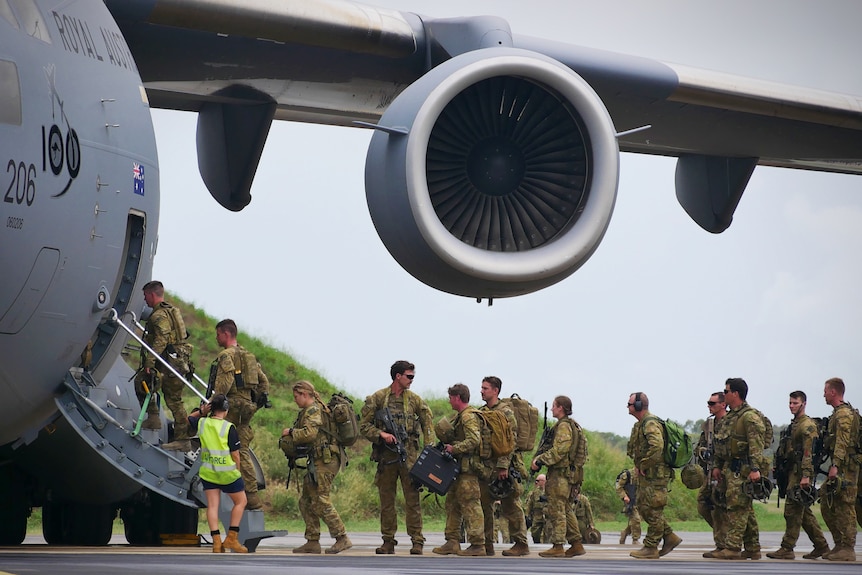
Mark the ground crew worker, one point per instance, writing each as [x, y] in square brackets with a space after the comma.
[511, 510]
[838, 494]
[236, 373]
[324, 456]
[535, 511]
[463, 498]
[625, 488]
[219, 469]
[559, 515]
[646, 448]
[797, 449]
[165, 334]
[739, 458]
[395, 457]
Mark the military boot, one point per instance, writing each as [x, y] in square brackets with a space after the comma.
[842, 553]
[623, 535]
[782, 553]
[670, 543]
[153, 421]
[308, 547]
[472, 551]
[342, 543]
[728, 554]
[819, 551]
[388, 548]
[645, 553]
[183, 445]
[416, 549]
[711, 554]
[254, 501]
[217, 546]
[231, 542]
[555, 551]
[753, 554]
[576, 549]
[449, 548]
[489, 549]
[517, 550]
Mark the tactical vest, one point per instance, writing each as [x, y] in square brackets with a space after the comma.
[217, 465]
[245, 375]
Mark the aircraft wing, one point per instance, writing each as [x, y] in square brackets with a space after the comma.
[561, 114]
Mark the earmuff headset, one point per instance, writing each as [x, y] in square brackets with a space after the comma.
[639, 404]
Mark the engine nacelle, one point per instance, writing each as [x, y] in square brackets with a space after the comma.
[504, 180]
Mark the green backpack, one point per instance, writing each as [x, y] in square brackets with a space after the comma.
[677, 443]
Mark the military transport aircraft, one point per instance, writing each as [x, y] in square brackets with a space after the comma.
[492, 172]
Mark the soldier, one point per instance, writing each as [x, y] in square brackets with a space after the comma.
[646, 448]
[738, 458]
[236, 373]
[511, 510]
[501, 526]
[463, 498]
[324, 459]
[394, 455]
[165, 334]
[625, 488]
[796, 449]
[584, 515]
[711, 511]
[563, 475]
[535, 511]
[838, 495]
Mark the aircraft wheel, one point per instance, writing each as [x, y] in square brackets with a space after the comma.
[77, 524]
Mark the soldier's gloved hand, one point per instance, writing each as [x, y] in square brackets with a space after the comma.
[529, 521]
[262, 400]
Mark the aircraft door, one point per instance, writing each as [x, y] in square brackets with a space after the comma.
[16, 314]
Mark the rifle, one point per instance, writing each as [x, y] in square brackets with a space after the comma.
[384, 416]
[781, 463]
[547, 440]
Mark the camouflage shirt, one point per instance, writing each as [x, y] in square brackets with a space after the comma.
[840, 441]
[515, 459]
[740, 437]
[535, 508]
[225, 366]
[408, 409]
[160, 333]
[468, 438]
[557, 456]
[646, 448]
[803, 432]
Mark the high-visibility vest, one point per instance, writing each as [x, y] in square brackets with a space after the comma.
[217, 466]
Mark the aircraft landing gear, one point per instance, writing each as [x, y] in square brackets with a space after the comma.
[77, 523]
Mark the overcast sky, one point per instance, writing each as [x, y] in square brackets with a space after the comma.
[662, 307]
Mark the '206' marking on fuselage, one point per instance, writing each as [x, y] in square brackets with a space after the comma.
[22, 184]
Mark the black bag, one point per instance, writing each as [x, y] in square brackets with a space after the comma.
[435, 470]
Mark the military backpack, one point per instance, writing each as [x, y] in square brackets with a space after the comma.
[678, 448]
[344, 421]
[498, 437]
[527, 417]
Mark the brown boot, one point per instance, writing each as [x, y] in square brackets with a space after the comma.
[754, 555]
[782, 553]
[153, 421]
[472, 551]
[670, 542]
[645, 553]
[842, 553]
[517, 550]
[342, 543]
[711, 554]
[555, 551]
[448, 548]
[819, 551]
[728, 554]
[416, 549]
[231, 542]
[576, 550]
[308, 547]
[254, 501]
[489, 549]
[217, 546]
[388, 548]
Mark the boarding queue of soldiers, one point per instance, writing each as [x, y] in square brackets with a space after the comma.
[729, 454]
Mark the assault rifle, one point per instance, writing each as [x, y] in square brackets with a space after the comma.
[384, 416]
[781, 463]
[547, 440]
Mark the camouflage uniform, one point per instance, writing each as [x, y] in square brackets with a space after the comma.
[511, 509]
[739, 448]
[634, 525]
[646, 448]
[559, 515]
[584, 513]
[535, 510]
[711, 511]
[315, 502]
[803, 431]
[838, 496]
[411, 411]
[223, 379]
[463, 498]
[163, 331]
[501, 526]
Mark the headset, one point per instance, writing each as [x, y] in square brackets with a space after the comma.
[639, 404]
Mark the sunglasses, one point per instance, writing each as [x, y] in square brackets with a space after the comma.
[630, 405]
[711, 403]
[409, 376]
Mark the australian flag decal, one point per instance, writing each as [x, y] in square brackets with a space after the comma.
[138, 178]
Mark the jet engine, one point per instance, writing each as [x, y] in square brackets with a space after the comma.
[493, 175]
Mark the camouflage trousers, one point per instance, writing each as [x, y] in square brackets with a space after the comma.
[240, 414]
[539, 532]
[741, 529]
[651, 500]
[172, 392]
[315, 503]
[797, 516]
[559, 515]
[838, 508]
[634, 525]
[511, 514]
[386, 480]
[463, 502]
[714, 514]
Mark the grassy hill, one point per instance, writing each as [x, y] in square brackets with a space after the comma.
[354, 493]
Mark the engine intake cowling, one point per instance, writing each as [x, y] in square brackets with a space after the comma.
[505, 180]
